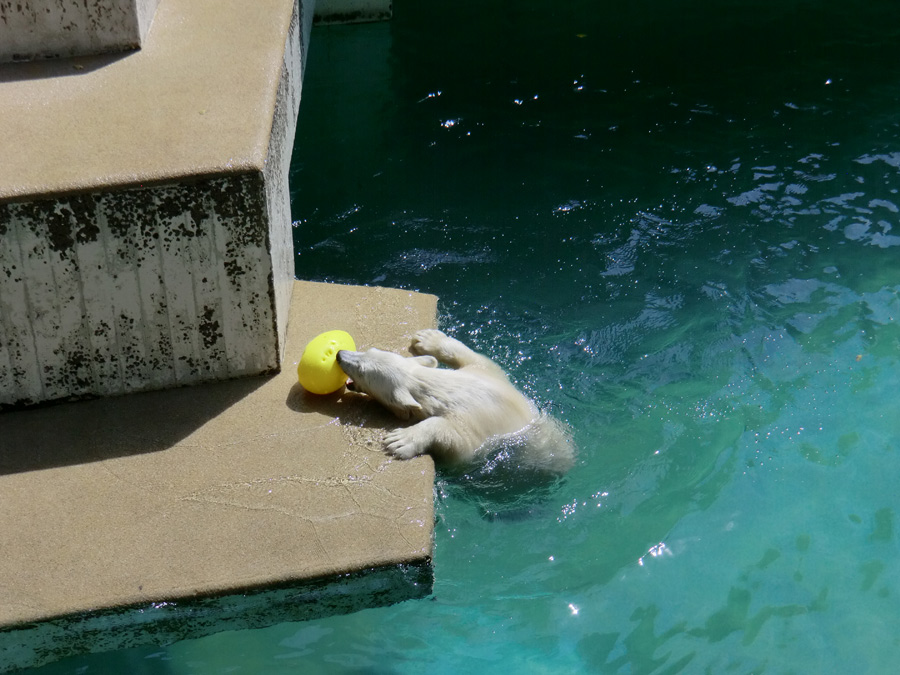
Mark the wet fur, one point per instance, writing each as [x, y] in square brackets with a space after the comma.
[461, 409]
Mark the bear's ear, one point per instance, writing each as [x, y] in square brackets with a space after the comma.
[403, 405]
[427, 361]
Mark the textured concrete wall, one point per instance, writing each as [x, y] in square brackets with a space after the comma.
[32, 29]
[136, 289]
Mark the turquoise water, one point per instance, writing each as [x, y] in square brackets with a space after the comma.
[676, 225]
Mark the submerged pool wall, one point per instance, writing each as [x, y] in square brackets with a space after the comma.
[352, 11]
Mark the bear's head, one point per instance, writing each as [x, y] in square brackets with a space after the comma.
[386, 377]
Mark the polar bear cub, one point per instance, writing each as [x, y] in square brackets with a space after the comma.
[465, 411]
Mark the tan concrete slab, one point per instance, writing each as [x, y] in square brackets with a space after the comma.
[213, 489]
[197, 99]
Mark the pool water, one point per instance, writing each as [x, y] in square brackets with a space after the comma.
[677, 225]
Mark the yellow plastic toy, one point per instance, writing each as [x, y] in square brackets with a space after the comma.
[318, 370]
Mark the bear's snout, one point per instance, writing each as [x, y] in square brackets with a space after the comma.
[348, 361]
[342, 360]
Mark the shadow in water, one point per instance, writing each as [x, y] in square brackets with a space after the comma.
[501, 487]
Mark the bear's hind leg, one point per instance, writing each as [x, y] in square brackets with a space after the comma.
[449, 351]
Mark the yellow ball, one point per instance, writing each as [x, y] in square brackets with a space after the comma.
[318, 370]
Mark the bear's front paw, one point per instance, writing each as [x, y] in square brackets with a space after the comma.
[401, 443]
[427, 342]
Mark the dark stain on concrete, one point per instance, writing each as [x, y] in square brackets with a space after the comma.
[209, 328]
[221, 222]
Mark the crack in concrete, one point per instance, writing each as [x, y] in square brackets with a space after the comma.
[241, 495]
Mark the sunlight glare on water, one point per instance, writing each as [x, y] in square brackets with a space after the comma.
[677, 227]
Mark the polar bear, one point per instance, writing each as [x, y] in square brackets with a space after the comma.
[466, 411]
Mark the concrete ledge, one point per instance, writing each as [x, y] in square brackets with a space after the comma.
[212, 491]
[145, 231]
[197, 100]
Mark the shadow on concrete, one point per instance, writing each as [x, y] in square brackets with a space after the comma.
[50, 68]
[99, 429]
[347, 407]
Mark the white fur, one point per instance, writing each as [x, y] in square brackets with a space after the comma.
[460, 408]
